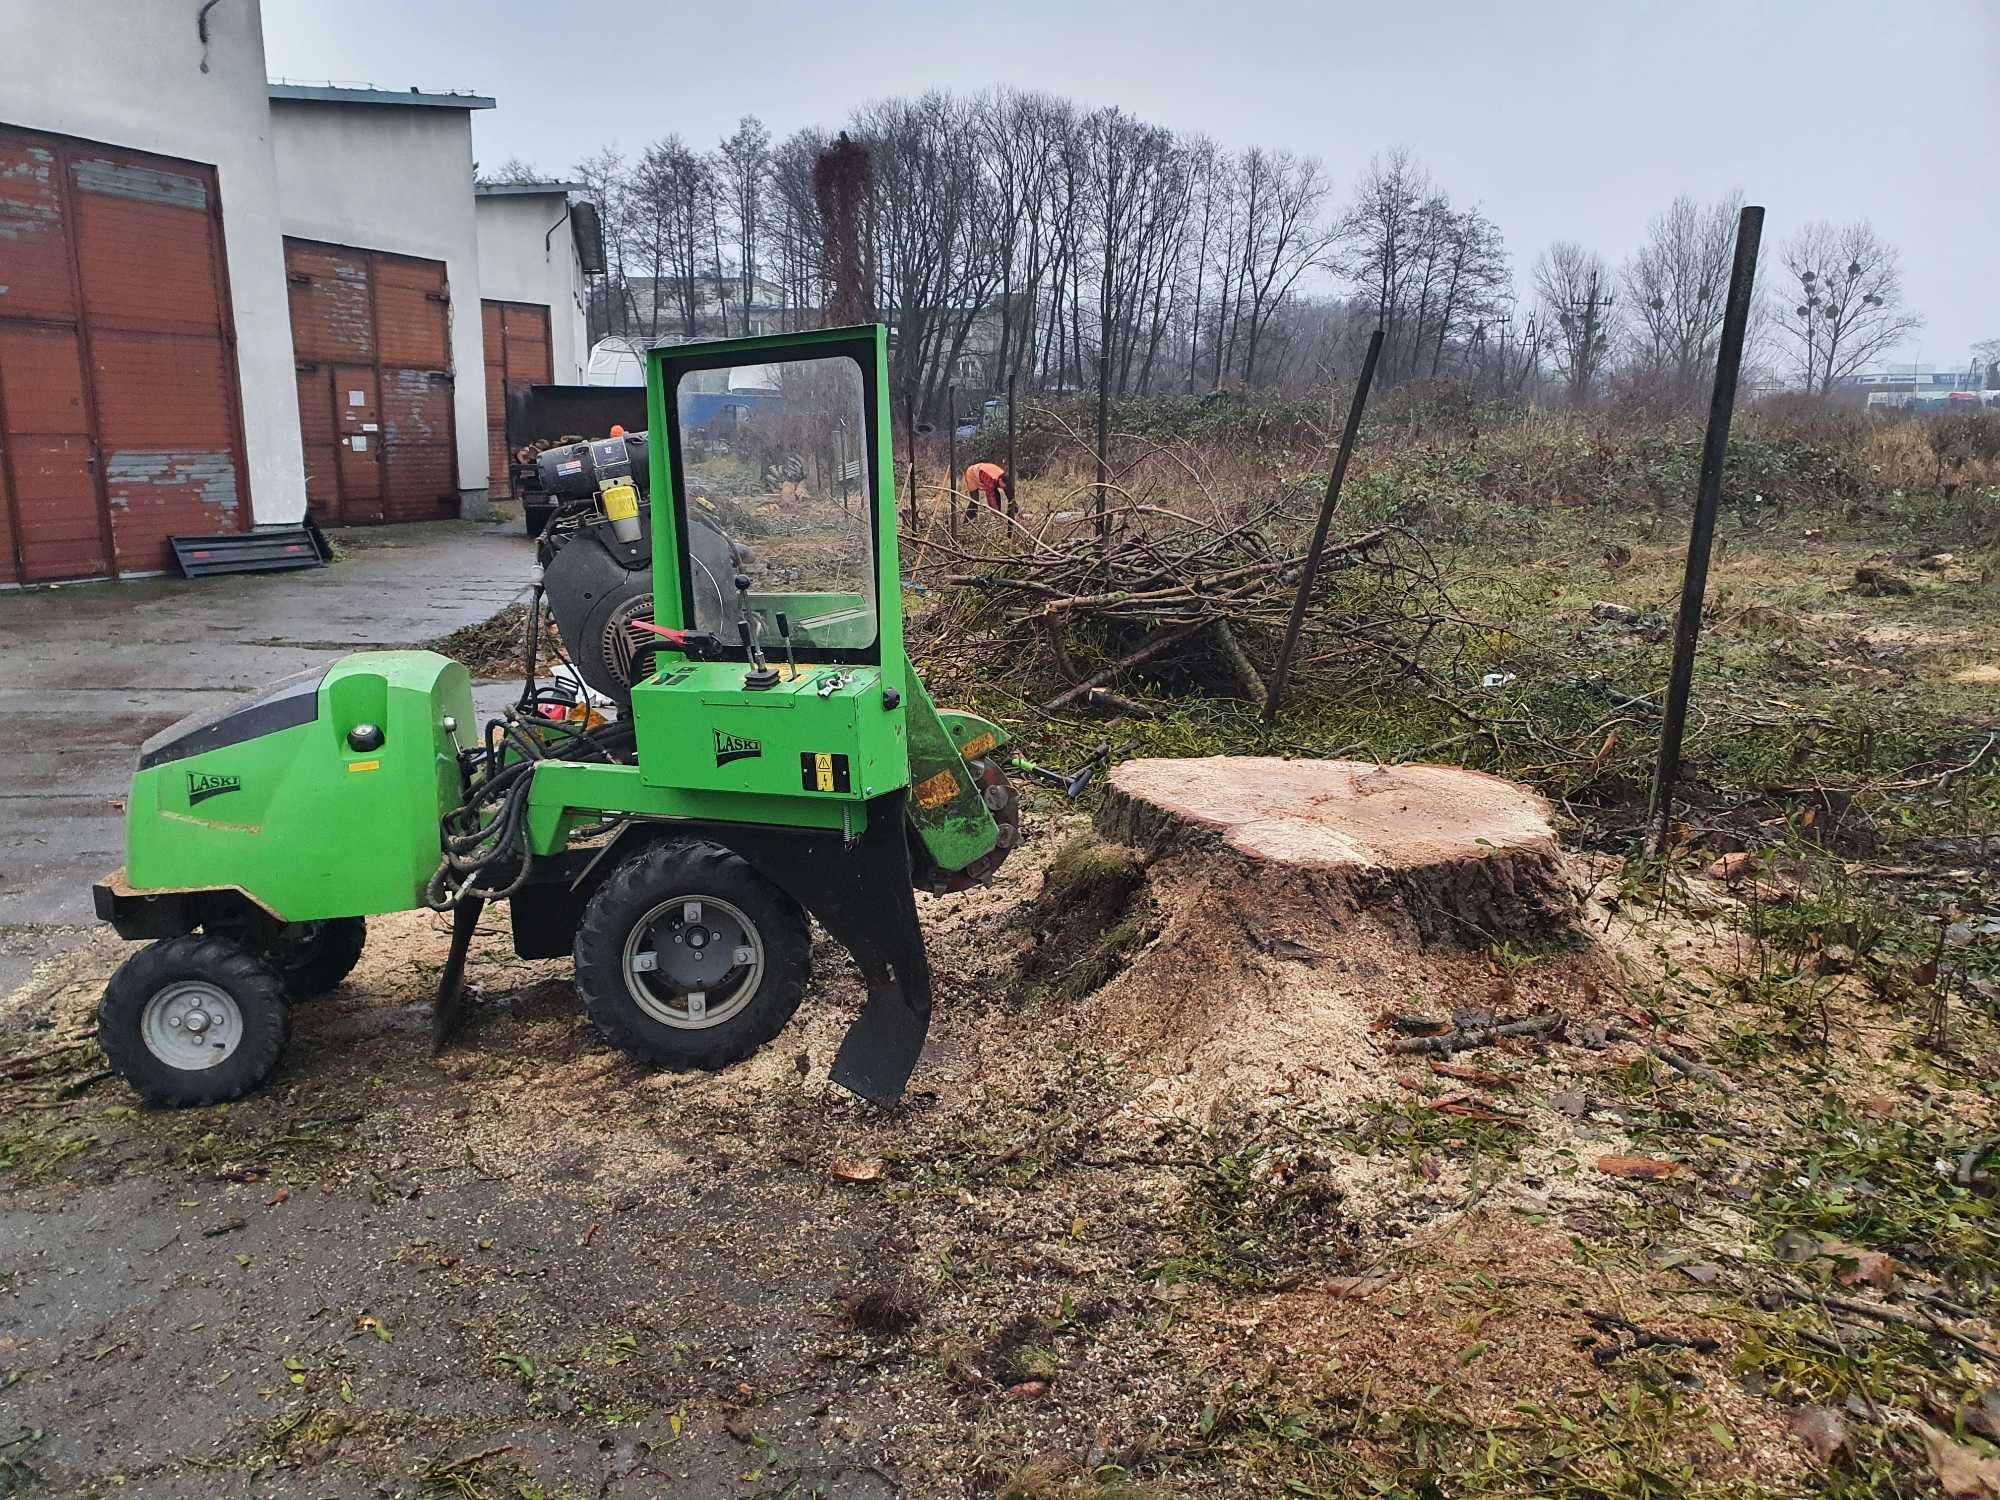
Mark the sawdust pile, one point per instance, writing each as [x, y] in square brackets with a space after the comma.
[491, 648]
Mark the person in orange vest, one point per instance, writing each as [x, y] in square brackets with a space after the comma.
[992, 484]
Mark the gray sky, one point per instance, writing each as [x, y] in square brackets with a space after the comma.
[1564, 119]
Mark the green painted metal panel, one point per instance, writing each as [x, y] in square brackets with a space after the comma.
[950, 816]
[567, 794]
[698, 727]
[298, 820]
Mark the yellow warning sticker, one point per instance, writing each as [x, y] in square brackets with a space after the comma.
[935, 791]
[979, 744]
[363, 765]
[823, 772]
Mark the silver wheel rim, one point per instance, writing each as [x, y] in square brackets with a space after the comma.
[192, 1025]
[693, 962]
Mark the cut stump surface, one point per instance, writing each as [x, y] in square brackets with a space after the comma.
[1454, 849]
[1330, 812]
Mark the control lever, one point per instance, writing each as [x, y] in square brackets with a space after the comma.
[759, 676]
[785, 635]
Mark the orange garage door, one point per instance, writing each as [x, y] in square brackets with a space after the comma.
[517, 356]
[119, 419]
[371, 334]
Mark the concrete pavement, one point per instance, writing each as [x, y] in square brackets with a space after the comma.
[88, 671]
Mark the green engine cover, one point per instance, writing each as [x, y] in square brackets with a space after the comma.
[271, 798]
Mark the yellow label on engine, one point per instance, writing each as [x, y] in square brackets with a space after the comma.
[363, 765]
[621, 502]
[935, 791]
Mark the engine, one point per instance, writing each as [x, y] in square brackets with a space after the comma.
[599, 581]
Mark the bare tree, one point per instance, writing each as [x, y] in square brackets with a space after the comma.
[1675, 286]
[793, 212]
[744, 164]
[1986, 353]
[1434, 273]
[1282, 234]
[513, 169]
[1575, 287]
[1377, 235]
[1849, 309]
[609, 186]
[937, 231]
[673, 195]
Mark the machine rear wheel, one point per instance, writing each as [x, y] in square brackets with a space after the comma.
[688, 957]
[193, 1020]
[312, 957]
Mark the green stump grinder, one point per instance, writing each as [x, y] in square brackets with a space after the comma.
[731, 592]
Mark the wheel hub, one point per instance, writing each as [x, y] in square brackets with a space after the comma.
[693, 962]
[191, 1025]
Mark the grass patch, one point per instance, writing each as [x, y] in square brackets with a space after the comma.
[1892, 1185]
[1261, 1216]
[1648, 1437]
[36, 1153]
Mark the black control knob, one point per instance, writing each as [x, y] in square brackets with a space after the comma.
[365, 737]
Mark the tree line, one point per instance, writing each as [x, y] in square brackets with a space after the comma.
[1018, 241]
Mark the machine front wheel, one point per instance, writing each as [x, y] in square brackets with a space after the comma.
[689, 958]
[193, 1020]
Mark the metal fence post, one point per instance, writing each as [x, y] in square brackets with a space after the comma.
[951, 462]
[1326, 510]
[1694, 584]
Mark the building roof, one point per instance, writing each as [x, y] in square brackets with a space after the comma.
[328, 93]
[526, 189]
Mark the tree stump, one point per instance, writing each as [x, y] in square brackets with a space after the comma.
[1450, 853]
[1237, 927]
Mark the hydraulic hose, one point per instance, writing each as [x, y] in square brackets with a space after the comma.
[490, 830]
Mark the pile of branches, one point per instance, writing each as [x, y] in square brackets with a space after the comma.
[1162, 593]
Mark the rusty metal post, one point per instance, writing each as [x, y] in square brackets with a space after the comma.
[1013, 369]
[951, 470]
[1701, 539]
[1327, 507]
[1103, 441]
[910, 427]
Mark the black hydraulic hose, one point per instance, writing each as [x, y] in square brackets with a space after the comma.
[476, 842]
[533, 643]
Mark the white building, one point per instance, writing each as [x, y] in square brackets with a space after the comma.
[221, 299]
[535, 247]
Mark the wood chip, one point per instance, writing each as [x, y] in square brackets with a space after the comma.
[1961, 1473]
[1731, 867]
[1637, 1168]
[1471, 1111]
[1821, 1430]
[866, 1169]
[1473, 1075]
[1359, 1287]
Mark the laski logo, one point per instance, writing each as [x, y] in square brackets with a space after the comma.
[205, 784]
[730, 747]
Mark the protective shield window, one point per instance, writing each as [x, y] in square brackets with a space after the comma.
[775, 489]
